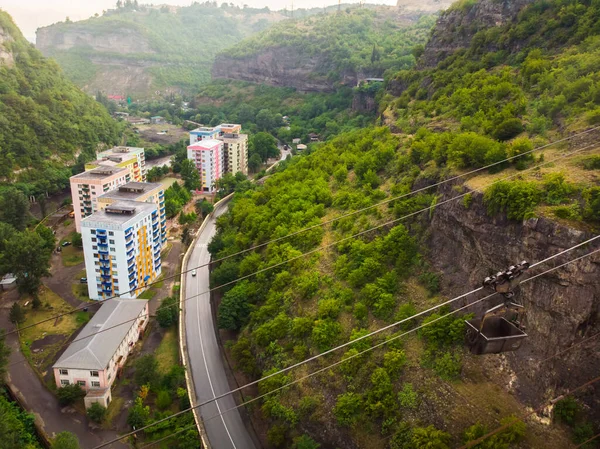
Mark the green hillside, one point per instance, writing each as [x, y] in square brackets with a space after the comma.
[45, 120]
[354, 40]
[475, 108]
[175, 46]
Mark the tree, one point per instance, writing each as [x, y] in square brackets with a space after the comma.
[263, 144]
[234, 308]
[305, 442]
[65, 440]
[254, 163]
[203, 207]
[138, 414]
[76, 240]
[190, 175]
[48, 236]
[146, 370]
[167, 313]
[68, 394]
[28, 258]
[96, 412]
[14, 208]
[17, 315]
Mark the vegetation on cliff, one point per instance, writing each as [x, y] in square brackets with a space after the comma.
[354, 40]
[45, 121]
[177, 44]
[468, 112]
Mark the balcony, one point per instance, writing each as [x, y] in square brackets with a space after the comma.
[101, 232]
[129, 244]
[130, 261]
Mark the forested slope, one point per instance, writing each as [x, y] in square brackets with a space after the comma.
[316, 53]
[45, 120]
[136, 50]
[477, 107]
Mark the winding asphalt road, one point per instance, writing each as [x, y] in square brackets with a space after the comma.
[207, 371]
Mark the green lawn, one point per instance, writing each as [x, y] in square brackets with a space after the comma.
[71, 255]
[167, 353]
[168, 182]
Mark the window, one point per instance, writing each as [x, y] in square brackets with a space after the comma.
[114, 265]
[97, 263]
[64, 382]
[94, 374]
[95, 383]
[112, 250]
[97, 270]
[111, 233]
[112, 242]
[63, 372]
[93, 231]
[113, 257]
[94, 239]
[81, 383]
[94, 247]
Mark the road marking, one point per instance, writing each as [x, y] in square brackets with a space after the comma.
[206, 365]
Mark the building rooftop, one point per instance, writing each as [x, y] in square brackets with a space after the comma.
[118, 213]
[234, 136]
[95, 351]
[208, 144]
[100, 173]
[131, 191]
[118, 151]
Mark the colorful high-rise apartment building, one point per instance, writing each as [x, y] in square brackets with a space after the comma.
[149, 192]
[122, 244]
[208, 158]
[235, 151]
[86, 187]
[204, 133]
[125, 157]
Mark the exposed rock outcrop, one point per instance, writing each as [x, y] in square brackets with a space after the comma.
[281, 67]
[456, 27]
[6, 56]
[563, 307]
[122, 41]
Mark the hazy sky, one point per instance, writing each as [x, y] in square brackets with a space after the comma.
[32, 14]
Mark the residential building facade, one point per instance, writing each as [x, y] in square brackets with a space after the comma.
[100, 351]
[204, 133]
[149, 192]
[127, 157]
[235, 151]
[121, 246]
[208, 158]
[86, 187]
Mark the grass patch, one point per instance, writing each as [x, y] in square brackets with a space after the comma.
[167, 353]
[66, 223]
[168, 182]
[71, 256]
[52, 304]
[148, 294]
[113, 410]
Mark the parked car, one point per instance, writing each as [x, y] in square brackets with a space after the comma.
[194, 272]
[66, 243]
[83, 281]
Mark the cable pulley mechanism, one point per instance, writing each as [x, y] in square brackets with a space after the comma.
[501, 327]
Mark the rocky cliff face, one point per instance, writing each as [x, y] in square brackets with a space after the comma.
[6, 56]
[456, 27]
[123, 41]
[281, 67]
[563, 307]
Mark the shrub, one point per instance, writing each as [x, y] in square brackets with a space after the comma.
[566, 410]
[430, 437]
[65, 440]
[447, 365]
[16, 315]
[163, 400]
[405, 311]
[591, 163]
[431, 281]
[508, 129]
[467, 200]
[592, 203]
[146, 370]
[277, 435]
[583, 432]
[360, 311]
[518, 199]
[167, 313]
[393, 362]
[570, 212]
[557, 188]
[305, 442]
[348, 408]
[96, 412]
[69, 394]
[518, 147]
[408, 397]
[138, 415]
[446, 331]
[473, 150]
[326, 333]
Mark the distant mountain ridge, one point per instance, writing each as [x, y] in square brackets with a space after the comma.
[140, 51]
